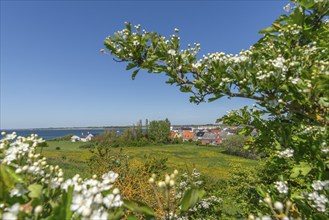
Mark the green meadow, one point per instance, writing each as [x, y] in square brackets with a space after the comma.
[210, 161]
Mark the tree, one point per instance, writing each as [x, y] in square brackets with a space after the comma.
[159, 131]
[234, 144]
[287, 74]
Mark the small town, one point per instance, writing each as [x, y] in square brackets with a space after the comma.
[207, 135]
[203, 134]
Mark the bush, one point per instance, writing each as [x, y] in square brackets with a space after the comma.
[87, 146]
[64, 138]
[234, 145]
[43, 144]
[57, 148]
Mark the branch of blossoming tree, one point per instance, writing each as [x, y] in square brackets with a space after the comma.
[290, 107]
[210, 90]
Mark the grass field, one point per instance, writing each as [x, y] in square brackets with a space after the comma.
[209, 161]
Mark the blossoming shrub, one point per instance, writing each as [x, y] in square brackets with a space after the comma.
[209, 205]
[30, 188]
[286, 73]
[134, 175]
[182, 197]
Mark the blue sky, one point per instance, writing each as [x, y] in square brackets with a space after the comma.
[53, 75]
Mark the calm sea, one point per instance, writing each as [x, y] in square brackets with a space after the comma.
[55, 133]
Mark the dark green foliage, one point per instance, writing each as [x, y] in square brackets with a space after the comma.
[234, 145]
[43, 144]
[239, 193]
[64, 138]
[87, 146]
[107, 139]
[177, 140]
[159, 131]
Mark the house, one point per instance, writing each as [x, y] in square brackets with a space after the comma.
[215, 131]
[75, 138]
[173, 135]
[188, 135]
[85, 138]
[199, 135]
[207, 127]
[211, 139]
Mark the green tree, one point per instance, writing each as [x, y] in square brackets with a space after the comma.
[139, 130]
[286, 73]
[234, 144]
[159, 131]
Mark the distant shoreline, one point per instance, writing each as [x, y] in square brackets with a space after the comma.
[97, 128]
[67, 128]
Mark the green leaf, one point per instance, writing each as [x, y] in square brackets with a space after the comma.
[116, 214]
[63, 209]
[190, 198]
[130, 66]
[132, 217]
[267, 30]
[298, 16]
[306, 3]
[35, 190]
[302, 168]
[9, 177]
[139, 208]
[212, 99]
[134, 74]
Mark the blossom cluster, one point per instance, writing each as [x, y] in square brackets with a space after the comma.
[91, 198]
[318, 198]
[319, 201]
[287, 153]
[281, 187]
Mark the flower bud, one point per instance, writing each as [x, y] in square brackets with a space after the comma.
[278, 206]
[38, 209]
[151, 180]
[161, 184]
[116, 191]
[251, 217]
[18, 170]
[167, 179]
[268, 200]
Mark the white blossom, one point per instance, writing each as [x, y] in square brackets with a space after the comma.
[287, 153]
[319, 201]
[287, 8]
[279, 63]
[12, 212]
[281, 187]
[18, 191]
[172, 52]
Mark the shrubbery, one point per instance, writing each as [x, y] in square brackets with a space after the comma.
[64, 138]
[234, 145]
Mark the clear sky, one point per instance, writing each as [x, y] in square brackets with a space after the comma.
[53, 75]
